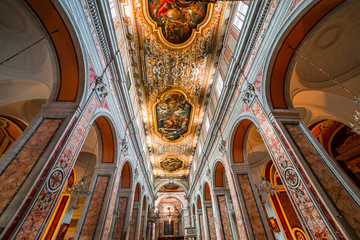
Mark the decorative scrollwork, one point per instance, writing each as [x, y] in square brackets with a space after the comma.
[101, 87]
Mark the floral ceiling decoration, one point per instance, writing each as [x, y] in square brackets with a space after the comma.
[176, 49]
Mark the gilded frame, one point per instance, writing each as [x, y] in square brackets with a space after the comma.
[191, 120]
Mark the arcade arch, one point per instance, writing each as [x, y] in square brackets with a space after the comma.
[314, 61]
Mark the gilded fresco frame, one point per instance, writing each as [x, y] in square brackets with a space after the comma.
[195, 32]
[172, 156]
[154, 115]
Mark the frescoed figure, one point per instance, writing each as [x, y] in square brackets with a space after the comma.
[171, 164]
[173, 114]
[175, 20]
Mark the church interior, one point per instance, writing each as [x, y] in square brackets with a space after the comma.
[180, 119]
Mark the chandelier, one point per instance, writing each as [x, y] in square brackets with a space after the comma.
[266, 187]
[79, 190]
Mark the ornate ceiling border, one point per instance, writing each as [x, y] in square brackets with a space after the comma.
[195, 32]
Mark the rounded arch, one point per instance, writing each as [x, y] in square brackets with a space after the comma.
[178, 183]
[238, 138]
[219, 174]
[206, 193]
[137, 193]
[199, 205]
[144, 202]
[106, 133]
[68, 49]
[282, 53]
[126, 175]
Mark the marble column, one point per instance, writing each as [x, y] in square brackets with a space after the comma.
[35, 171]
[317, 211]
[224, 220]
[93, 216]
[255, 217]
[239, 207]
[216, 215]
[137, 220]
[144, 214]
[200, 225]
[123, 214]
[332, 180]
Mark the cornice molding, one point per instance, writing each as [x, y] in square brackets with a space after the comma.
[100, 15]
[231, 82]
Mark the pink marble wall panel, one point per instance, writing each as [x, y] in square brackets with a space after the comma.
[202, 226]
[51, 190]
[141, 227]
[212, 232]
[292, 181]
[224, 217]
[252, 209]
[109, 215]
[119, 222]
[16, 172]
[133, 224]
[234, 197]
[93, 212]
[328, 181]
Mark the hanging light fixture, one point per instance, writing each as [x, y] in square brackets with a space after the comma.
[79, 190]
[265, 187]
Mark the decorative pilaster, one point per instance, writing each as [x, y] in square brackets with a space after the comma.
[315, 216]
[34, 215]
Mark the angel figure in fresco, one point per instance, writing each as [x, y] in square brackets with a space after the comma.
[163, 6]
[176, 22]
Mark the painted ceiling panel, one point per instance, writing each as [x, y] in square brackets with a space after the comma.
[177, 49]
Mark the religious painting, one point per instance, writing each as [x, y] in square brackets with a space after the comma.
[177, 18]
[273, 224]
[171, 164]
[173, 115]
[299, 235]
[169, 228]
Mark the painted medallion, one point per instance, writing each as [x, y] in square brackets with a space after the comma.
[177, 18]
[173, 114]
[171, 164]
[170, 188]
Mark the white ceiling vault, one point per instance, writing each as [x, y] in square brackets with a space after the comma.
[174, 49]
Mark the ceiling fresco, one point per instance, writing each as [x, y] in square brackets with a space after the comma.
[176, 19]
[173, 115]
[176, 44]
[171, 188]
[171, 164]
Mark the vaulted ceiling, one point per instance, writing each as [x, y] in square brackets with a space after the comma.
[177, 49]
